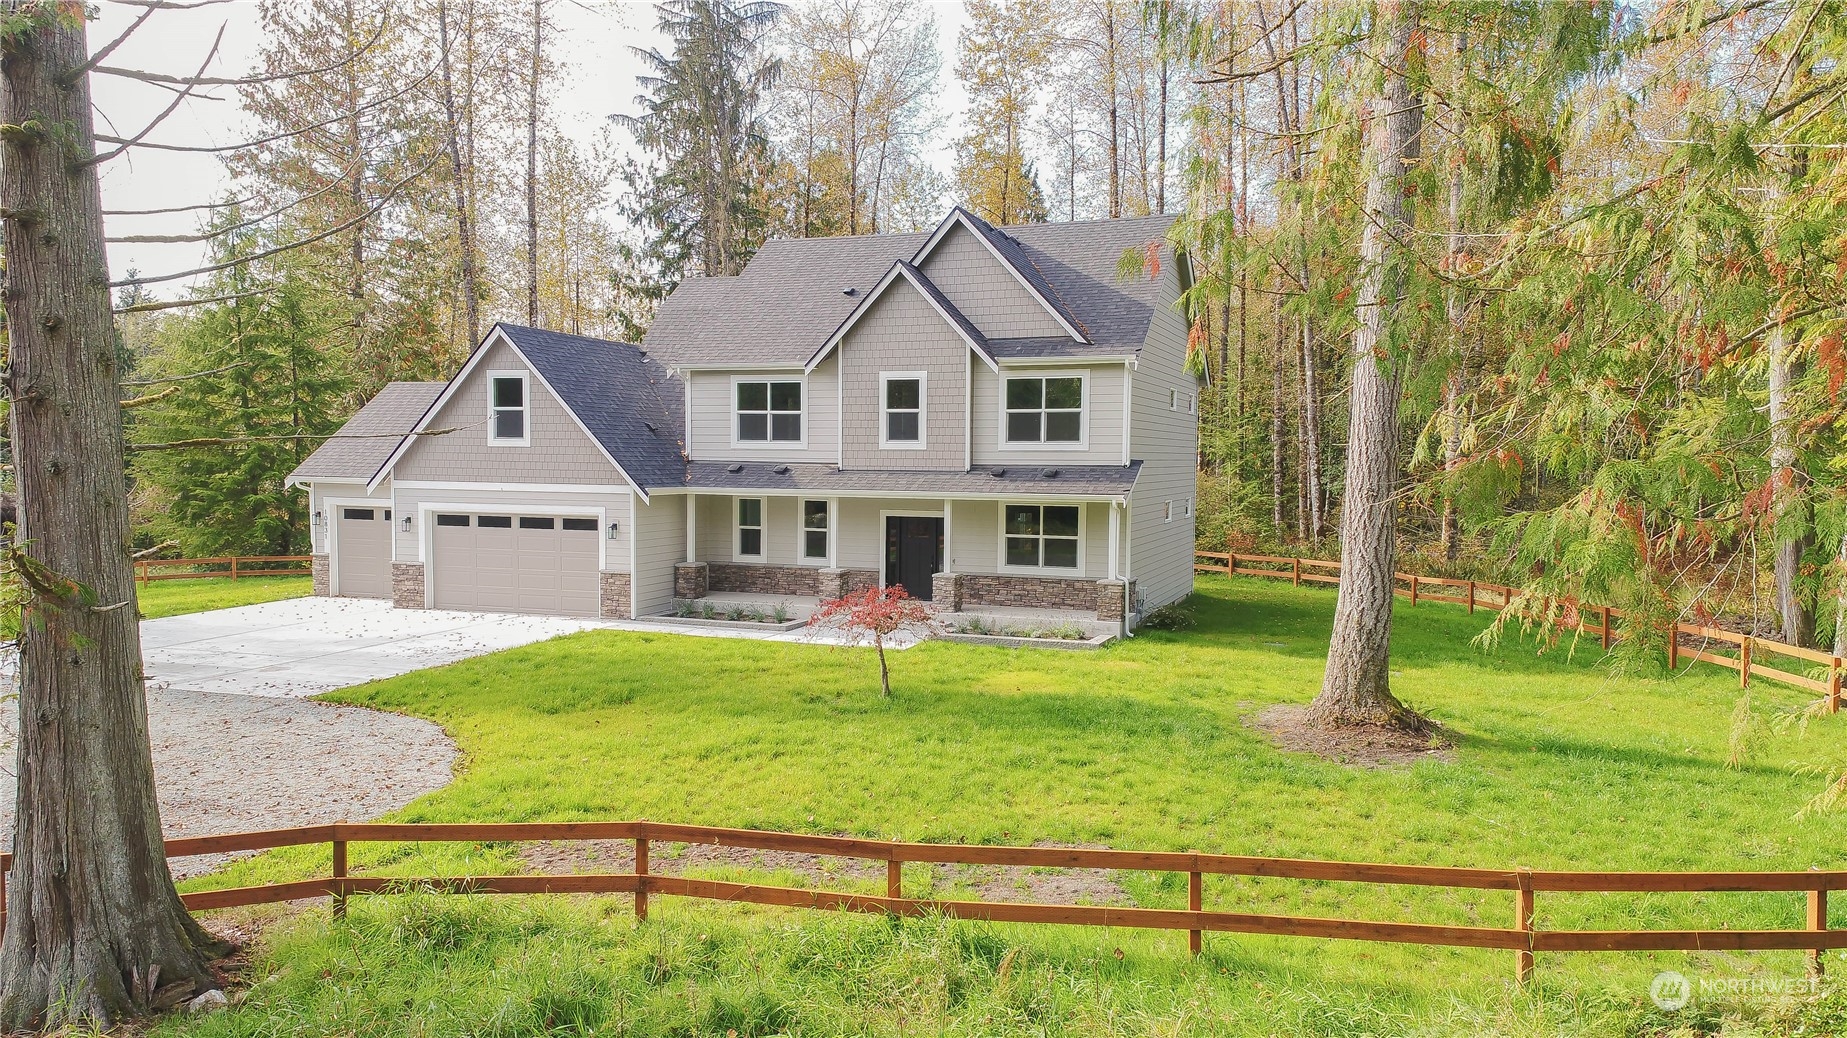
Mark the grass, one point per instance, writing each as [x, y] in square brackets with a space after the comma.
[1140, 745]
[172, 597]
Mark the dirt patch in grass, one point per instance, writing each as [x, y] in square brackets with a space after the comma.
[985, 882]
[1367, 746]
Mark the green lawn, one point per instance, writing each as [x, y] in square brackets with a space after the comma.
[1142, 745]
[173, 597]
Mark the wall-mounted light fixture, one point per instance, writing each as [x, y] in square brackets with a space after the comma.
[319, 518]
[612, 531]
[405, 525]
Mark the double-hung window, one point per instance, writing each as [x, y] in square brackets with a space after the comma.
[507, 399]
[769, 411]
[750, 527]
[1041, 536]
[1045, 409]
[814, 530]
[902, 403]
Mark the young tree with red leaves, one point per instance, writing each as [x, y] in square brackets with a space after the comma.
[876, 614]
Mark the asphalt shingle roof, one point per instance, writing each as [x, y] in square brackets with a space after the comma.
[368, 439]
[1079, 480]
[792, 295]
[626, 398]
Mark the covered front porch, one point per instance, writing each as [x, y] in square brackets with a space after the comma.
[1018, 559]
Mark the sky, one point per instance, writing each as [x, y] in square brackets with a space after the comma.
[594, 40]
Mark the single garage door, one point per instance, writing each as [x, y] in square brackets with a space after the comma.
[362, 552]
[516, 564]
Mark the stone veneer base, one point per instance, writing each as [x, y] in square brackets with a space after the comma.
[407, 585]
[322, 575]
[615, 596]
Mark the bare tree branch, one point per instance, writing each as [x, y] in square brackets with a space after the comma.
[284, 135]
[234, 441]
[389, 194]
[179, 99]
[179, 209]
[109, 48]
[150, 398]
[182, 378]
[175, 304]
[183, 239]
[157, 77]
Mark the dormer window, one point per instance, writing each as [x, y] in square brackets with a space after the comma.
[902, 406]
[507, 401]
[768, 411]
[1045, 410]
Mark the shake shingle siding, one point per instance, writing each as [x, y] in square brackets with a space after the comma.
[903, 332]
[1166, 438]
[368, 439]
[985, 290]
[559, 450]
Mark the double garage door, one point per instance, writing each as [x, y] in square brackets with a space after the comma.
[496, 562]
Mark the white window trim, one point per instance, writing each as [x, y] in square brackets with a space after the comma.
[525, 396]
[731, 408]
[801, 532]
[923, 411]
[1083, 535]
[1083, 413]
[762, 528]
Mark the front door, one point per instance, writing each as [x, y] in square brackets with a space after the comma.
[913, 552]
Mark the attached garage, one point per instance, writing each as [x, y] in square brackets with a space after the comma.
[362, 551]
[513, 563]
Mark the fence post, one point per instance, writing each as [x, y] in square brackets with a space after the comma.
[1195, 902]
[1834, 686]
[339, 876]
[1413, 589]
[233, 567]
[1744, 663]
[1231, 563]
[1523, 921]
[1673, 647]
[894, 878]
[1818, 923]
[1295, 572]
[641, 879]
[1606, 627]
[1471, 596]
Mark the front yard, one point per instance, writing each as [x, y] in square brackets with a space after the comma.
[1141, 745]
[172, 597]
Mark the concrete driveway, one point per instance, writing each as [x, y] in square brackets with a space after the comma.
[306, 646]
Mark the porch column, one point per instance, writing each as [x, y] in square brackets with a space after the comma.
[949, 535]
[1115, 540]
[692, 528]
[833, 533]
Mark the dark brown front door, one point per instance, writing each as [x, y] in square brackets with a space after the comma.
[913, 553]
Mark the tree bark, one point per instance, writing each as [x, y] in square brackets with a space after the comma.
[464, 215]
[1311, 432]
[532, 166]
[1797, 618]
[95, 932]
[1457, 383]
[1277, 419]
[1357, 687]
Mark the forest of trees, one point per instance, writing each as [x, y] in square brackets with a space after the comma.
[1615, 328]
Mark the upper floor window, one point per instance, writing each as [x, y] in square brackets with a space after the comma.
[769, 412]
[507, 398]
[903, 408]
[1045, 409]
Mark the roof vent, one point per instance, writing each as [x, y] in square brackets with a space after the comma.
[997, 473]
[734, 469]
[781, 470]
[1049, 473]
[652, 427]
[849, 291]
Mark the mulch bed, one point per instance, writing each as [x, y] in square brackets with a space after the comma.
[1366, 746]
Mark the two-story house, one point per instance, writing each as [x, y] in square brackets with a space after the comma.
[987, 418]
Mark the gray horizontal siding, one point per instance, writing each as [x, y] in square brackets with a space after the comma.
[1167, 440]
[1103, 412]
[709, 420]
[659, 529]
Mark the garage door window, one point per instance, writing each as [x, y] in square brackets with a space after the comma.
[451, 520]
[494, 522]
[580, 524]
[534, 522]
[357, 513]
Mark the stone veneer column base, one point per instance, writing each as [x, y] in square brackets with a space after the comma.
[322, 575]
[691, 580]
[838, 583]
[615, 604]
[407, 585]
[1110, 599]
[946, 591]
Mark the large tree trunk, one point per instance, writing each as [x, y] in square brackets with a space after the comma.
[532, 166]
[1457, 382]
[94, 928]
[464, 212]
[1277, 419]
[1785, 368]
[1357, 687]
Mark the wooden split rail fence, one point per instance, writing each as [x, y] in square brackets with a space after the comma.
[233, 566]
[1592, 619]
[1523, 937]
